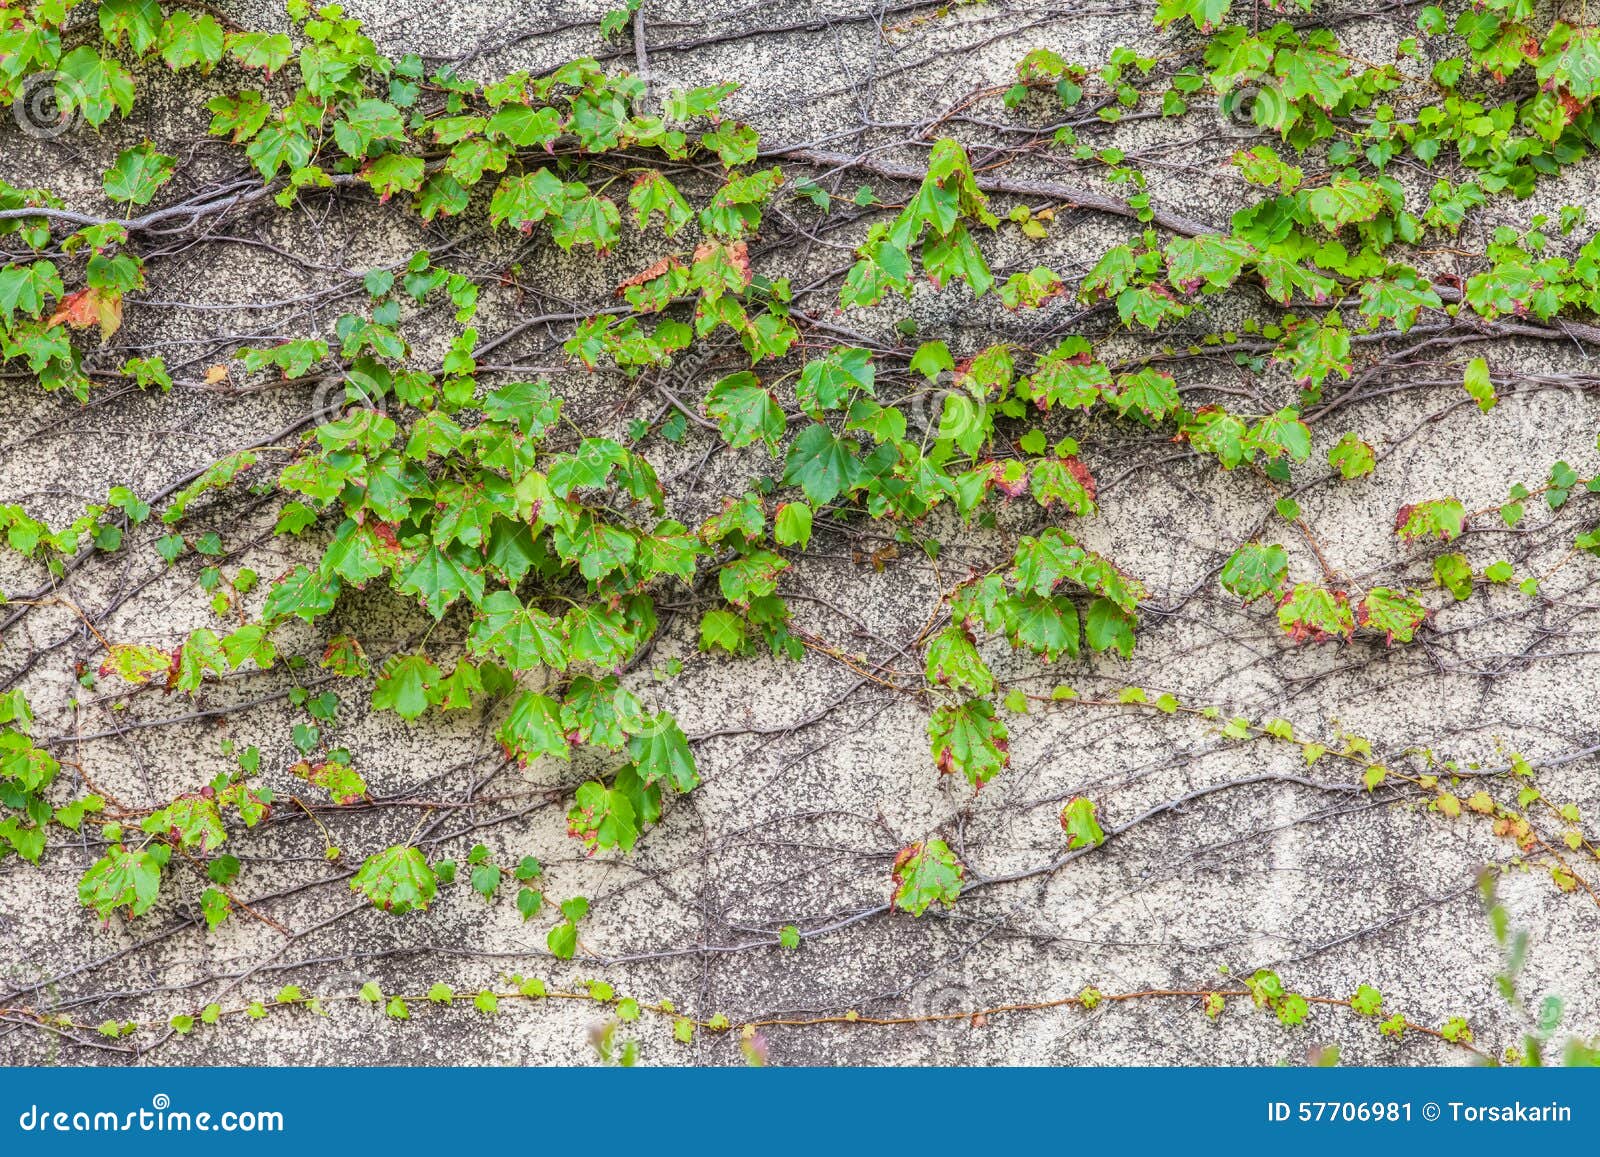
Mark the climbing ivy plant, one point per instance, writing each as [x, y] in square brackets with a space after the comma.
[543, 551]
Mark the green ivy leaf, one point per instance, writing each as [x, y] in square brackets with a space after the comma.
[653, 193]
[1063, 480]
[406, 686]
[139, 21]
[724, 630]
[525, 127]
[365, 123]
[562, 940]
[533, 728]
[303, 593]
[588, 220]
[1216, 432]
[251, 642]
[124, 879]
[191, 41]
[439, 577]
[823, 465]
[1082, 828]
[394, 173]
[265, 50]
[1344, 202]
[1108, 627]
[1478, 385]
[603, 818]
[202, 652]
[1255, 570]
[102, 86]
[1352, 457]
[138, 173]
[1204, 14]
[660, 751]
[485, 880]
[241, 114]
[136, 663]
[1397, 296]
[1046, 626]
[28, 289]
[969, 739]
[826, 383]
[1454, 573]
[1396, 613]
[521, 638]
[1149, 393]
[1209, 261]
[751, 576]
[792, 525]
[599, 635]
[926, 873]
[1282, 433]
[397, 880]
[1441, 516]
[931, 359]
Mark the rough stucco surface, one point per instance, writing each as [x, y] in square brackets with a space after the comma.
[1331, 888]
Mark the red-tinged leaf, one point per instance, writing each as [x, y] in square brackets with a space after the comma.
[1396, 613]
[343, 783]
[1082, 828]
[135, 663]
[1440, 516]
[1064, 480]
[344, 656]
[1314, 613]
[1255, 570]
[924, 874]
[89, 307]
[954, 662]
[969, 739]
[659, 269]
[720, 266]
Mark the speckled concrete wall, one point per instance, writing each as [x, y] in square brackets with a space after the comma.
[813, 775]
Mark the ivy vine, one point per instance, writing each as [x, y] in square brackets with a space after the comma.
[542, 545]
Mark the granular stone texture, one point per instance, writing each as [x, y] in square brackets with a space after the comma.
[1227, 856]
